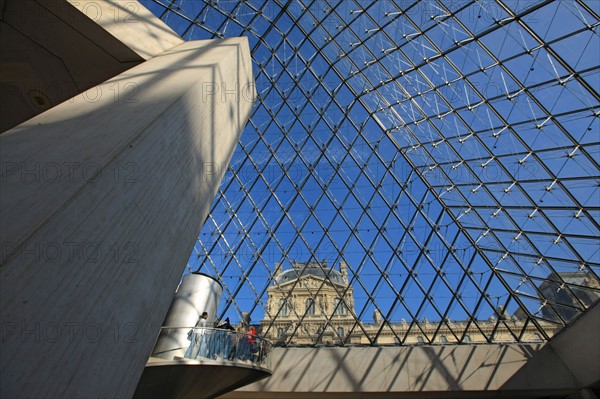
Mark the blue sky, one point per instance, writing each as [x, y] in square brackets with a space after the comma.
[387, 137]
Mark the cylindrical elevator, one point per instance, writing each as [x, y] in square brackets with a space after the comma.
[197, 293]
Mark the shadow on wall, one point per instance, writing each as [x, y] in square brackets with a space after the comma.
[569, 362]
[51, 53]
[100, 208]
[417, 371]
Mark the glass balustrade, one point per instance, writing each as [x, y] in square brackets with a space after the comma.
[204, 343]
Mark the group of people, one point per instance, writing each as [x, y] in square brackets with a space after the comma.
[223, 343]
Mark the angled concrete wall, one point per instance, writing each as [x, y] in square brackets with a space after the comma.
[127, 21]
[52, 50]
[573, 354]
[102, 199]
[569, 364]
[390, 372]
[578, 346]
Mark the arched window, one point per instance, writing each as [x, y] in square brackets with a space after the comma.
[443, 339]
[279, 332]
[284, 307]
[420, 339]
[340, 331]
[339, 306]
[467, 338]
[310, 307]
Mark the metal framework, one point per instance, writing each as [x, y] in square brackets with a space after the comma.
[447, 151]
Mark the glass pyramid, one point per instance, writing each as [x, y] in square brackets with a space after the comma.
[445, 151]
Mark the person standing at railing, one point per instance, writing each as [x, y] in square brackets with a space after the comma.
[262, 350]
[196, 335]
[225, 344]
[251, 336]
[243, 347]
[246, 344]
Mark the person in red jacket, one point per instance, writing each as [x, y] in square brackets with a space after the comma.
[251, 335]
[249, 345]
